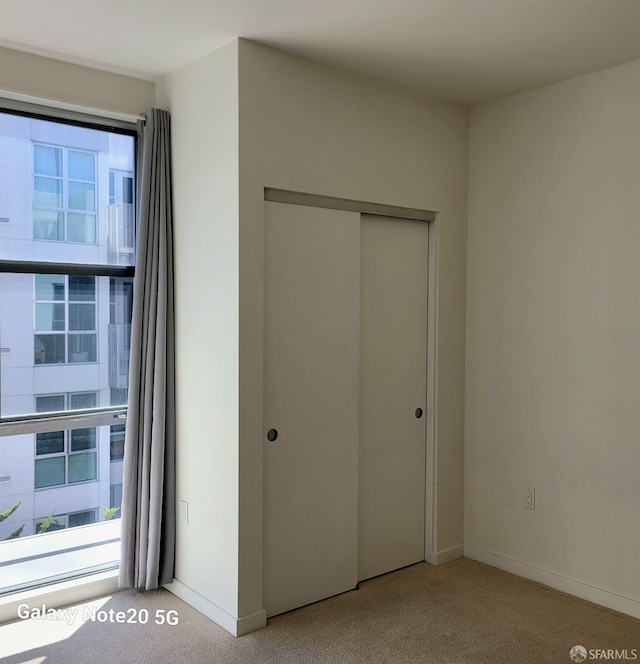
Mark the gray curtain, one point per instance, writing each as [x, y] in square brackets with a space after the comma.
[148, 498]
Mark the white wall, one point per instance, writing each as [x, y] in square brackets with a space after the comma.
[243, 118]
[310, 128]
[553, 331]
[203, 99]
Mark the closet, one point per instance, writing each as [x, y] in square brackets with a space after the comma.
[345, 334]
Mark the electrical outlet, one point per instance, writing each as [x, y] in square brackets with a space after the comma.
[530, 499]
[184, 512]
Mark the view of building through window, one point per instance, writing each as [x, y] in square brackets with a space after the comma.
[66, 287]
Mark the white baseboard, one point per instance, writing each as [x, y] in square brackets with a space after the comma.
[251, 623]
[233, 625]
[445, 556]
[564, 584]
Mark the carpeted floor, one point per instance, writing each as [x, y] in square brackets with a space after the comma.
[460, 613]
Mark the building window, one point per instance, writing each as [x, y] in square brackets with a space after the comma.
[116, 496]
[66, 457]
[65, 319]
[116, 451]
[60, 522]
[64, 194]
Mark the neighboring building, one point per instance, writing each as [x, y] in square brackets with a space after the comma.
[66, 196]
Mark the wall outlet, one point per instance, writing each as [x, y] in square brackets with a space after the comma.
[184, 512]
[530, 499]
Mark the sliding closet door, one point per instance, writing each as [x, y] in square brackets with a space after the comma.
[312, 281]
[393, 305]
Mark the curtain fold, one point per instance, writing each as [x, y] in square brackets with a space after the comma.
[148, 499]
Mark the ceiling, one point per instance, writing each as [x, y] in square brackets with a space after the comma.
[468, 51]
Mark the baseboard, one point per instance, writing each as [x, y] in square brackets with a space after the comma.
[564, 584]
[233, 625]
[445, 556]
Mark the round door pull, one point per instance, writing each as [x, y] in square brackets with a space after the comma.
[418, 413]
[272, 434]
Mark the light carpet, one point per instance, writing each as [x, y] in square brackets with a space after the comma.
[460, 613]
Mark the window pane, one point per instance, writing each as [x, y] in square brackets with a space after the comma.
[82, 196]
[78, 186]
[117, 442]
[82, 289]
[48, 349]
[49, 287]
[82, 348]
[83, 439]
[37, 318]
[48, 225]
[49, 472]
[127, 190]
[50, 404]
[47, 160]
[81, 227]
[50, 318]
[82, 317]
[82, 400]
[118, 396]
[81, 166]
[82, 467]
[47, 192]
[51, 442]
[116, 498]
[82, 518]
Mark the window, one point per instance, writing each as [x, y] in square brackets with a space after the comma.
[64, 194]
[66, 288]
[60, 522]
[116, 496]
[65, 319]
[65, 457]
[120, 187]
[116, 447]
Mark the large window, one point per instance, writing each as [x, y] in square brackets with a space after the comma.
[66, 288]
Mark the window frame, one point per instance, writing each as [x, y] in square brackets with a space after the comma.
[82, 418]
[103, 538]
